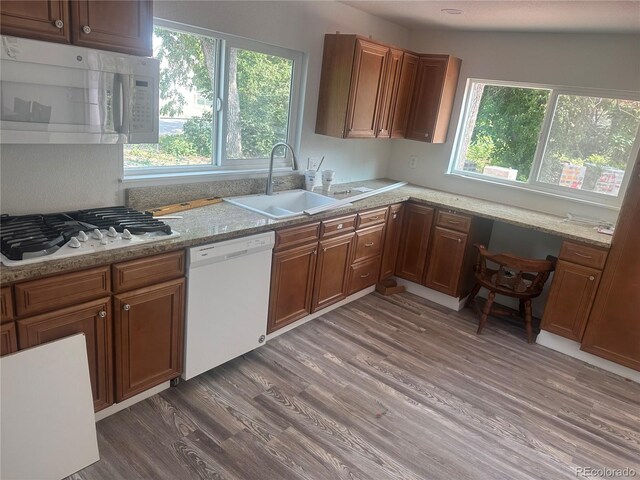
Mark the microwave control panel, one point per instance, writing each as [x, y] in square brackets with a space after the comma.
[141, 105]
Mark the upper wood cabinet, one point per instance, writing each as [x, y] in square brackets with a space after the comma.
[119, 26]
[613, 330]
[368, 90]
[433, 95]
[406, 86]
[391, 90]
[122, 26]
[351, 86]
[46, 20]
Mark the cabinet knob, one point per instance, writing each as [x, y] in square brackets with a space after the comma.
[126, 307]
[369, 244]
[59, 23]
[426, 135]
[102, 314]
[459, 240]
[86, 29]
[395, 215]
[592, 278]
[315, 251]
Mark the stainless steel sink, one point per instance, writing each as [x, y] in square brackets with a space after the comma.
[283, 204]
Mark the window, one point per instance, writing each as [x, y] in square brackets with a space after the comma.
[224, 102]
[573, 142]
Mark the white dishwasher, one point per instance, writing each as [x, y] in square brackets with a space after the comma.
[227, 301]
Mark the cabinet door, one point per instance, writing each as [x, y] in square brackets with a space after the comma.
[292, 274]
[94, 320]
[433, 97]
[367, 87]
[391, 83]
[120, 26]
[391, 241]
[406, 86]
[570, 299]
[46, 20]
[331, 278]
[445, 262]
[8, 338]
[613, 331]
[148, 337]
[414, 243]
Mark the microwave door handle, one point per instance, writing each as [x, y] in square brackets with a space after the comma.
[117, 103]
[126, 104]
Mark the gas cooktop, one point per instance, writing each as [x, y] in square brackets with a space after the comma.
[26, 239]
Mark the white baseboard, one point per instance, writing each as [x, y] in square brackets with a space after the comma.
[571, 348]
[310, 317]
[434, 296]
[116, 407]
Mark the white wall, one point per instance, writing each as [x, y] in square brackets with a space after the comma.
[596, 61]
[53, 178]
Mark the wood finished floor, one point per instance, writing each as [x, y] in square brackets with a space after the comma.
[383, 388]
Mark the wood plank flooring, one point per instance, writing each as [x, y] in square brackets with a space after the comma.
[383, 388]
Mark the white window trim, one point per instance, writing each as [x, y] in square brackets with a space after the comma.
[534, 185]
[220, 165]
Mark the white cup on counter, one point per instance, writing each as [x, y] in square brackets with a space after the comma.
[327, 179]
[310, 179]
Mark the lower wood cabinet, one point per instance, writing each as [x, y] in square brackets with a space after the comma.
[8, 338]
[414, 246]
[570, 299]
[148, 337]
[93, 319]
[391, 241]
[331, 276]
[363, 274]
[292, 275]
[448, 249]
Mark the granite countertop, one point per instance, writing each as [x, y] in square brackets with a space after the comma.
[224, 221]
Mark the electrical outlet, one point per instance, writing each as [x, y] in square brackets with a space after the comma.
[413, 161]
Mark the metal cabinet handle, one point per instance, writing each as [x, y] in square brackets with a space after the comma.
[126, 307]
[59, 23]
[455, 222]
[324, 249]
[370, 244]
[459, 240]
[339, 227]
[365, 275]
[102, 314]
[592, 278]
[86, 29]
[395, 215]
[315, 251]
[581, 255]
[375, 218]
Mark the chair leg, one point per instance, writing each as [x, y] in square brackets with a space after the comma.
[471, 299]
[527, 319]
[486, 310]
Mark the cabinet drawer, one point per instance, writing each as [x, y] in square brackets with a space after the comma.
[296, 236]
[62, 290]
[368, 243]
[363, 274]
[147, 271]
[453, 221]
[372, 217]
[337, 226]
[6, 305]
[583, 255]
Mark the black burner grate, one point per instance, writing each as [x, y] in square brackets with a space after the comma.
[35, 235]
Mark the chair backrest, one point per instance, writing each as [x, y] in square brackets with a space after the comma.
[511, 274]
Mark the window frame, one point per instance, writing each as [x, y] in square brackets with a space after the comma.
[219, 163]
[533, 184]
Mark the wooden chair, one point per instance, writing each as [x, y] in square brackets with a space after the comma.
[510, 275]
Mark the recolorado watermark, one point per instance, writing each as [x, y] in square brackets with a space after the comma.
[606, 472]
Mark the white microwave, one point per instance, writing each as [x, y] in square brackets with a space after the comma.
[52, 93]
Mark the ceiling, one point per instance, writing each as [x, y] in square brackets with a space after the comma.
[510, 15]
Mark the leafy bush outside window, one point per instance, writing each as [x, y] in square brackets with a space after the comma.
[221, 106]
[575, 142]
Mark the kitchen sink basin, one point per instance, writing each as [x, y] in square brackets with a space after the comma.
[283, 204]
